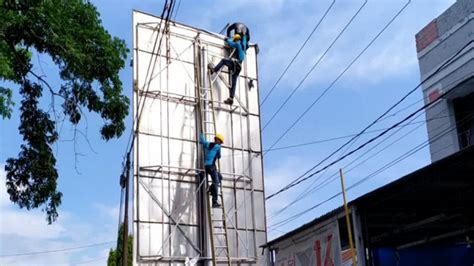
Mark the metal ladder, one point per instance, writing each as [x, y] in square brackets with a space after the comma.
[216, 216]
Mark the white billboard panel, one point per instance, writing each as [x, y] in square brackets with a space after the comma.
[170, 223]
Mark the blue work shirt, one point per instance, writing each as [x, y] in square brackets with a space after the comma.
[212, 150]
[239, 46]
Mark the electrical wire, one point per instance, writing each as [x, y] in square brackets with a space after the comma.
[338, 77]
[311, 188]
[376, 120]
[168, 9]
[177, 10]
[378, 171]
[151, 65]
[297, 53]
[390, 164]
[314, 66]
[333, 177]
[55, 250]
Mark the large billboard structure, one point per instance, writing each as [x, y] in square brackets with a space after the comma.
[171, 224]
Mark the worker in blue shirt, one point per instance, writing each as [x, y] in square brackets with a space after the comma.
[234, 64]
[212, 151]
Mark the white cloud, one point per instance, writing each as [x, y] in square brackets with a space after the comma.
[111, 212]
[392, 56]
[23, 231]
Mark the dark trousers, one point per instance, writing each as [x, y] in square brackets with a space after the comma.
[234, 68]
[216, 178]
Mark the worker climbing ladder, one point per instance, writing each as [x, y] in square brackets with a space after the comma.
[219, 239]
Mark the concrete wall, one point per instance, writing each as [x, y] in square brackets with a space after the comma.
[436, 44]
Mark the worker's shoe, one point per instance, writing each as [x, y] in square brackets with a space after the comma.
[229, 101]
[216, 204]
[210, 66]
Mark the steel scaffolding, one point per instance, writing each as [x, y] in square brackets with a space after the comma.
[170, 222]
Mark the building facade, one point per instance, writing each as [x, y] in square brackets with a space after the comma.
[446, 60]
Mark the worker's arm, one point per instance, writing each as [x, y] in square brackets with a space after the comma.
[203, 141]
[244, 43]
[218, 154]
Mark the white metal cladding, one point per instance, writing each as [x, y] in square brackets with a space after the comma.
[169, 212]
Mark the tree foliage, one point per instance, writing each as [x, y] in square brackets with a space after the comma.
[88, 59]
[115, 255]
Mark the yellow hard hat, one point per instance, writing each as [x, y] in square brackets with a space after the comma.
[237, 37]
[219, 137]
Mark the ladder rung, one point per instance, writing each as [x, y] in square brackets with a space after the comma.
[219, 227]
[219, 233]
[220, 247]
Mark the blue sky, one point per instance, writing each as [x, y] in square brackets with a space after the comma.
[89, 175]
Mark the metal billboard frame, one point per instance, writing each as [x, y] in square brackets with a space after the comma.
[155, 183]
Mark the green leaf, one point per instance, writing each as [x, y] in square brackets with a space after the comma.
[6, 103]
[71, 32]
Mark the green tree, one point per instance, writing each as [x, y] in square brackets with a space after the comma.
[88, 59]
[115, 256]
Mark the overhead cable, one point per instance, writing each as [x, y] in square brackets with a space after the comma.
[380, 117]
[397, 160]
[297, 53]
[314, 66]
[56, 250]
[338, 77]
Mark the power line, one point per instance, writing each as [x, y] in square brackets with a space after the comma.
[177, 10]
[339, 76]
[56, 250]
[294, 183]
[314, 66]
[167, 8]
[337, 138]
[333, 177]
[297, 53]
[322, 140]
[326, 140]
[374, 122]
[378, 171]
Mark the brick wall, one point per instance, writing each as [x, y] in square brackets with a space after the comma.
[426, 36]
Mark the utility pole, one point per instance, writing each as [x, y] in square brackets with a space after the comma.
[348, 220]
[125, 218]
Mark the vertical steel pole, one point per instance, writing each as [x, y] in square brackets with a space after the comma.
[125, 218]
[348, 221]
